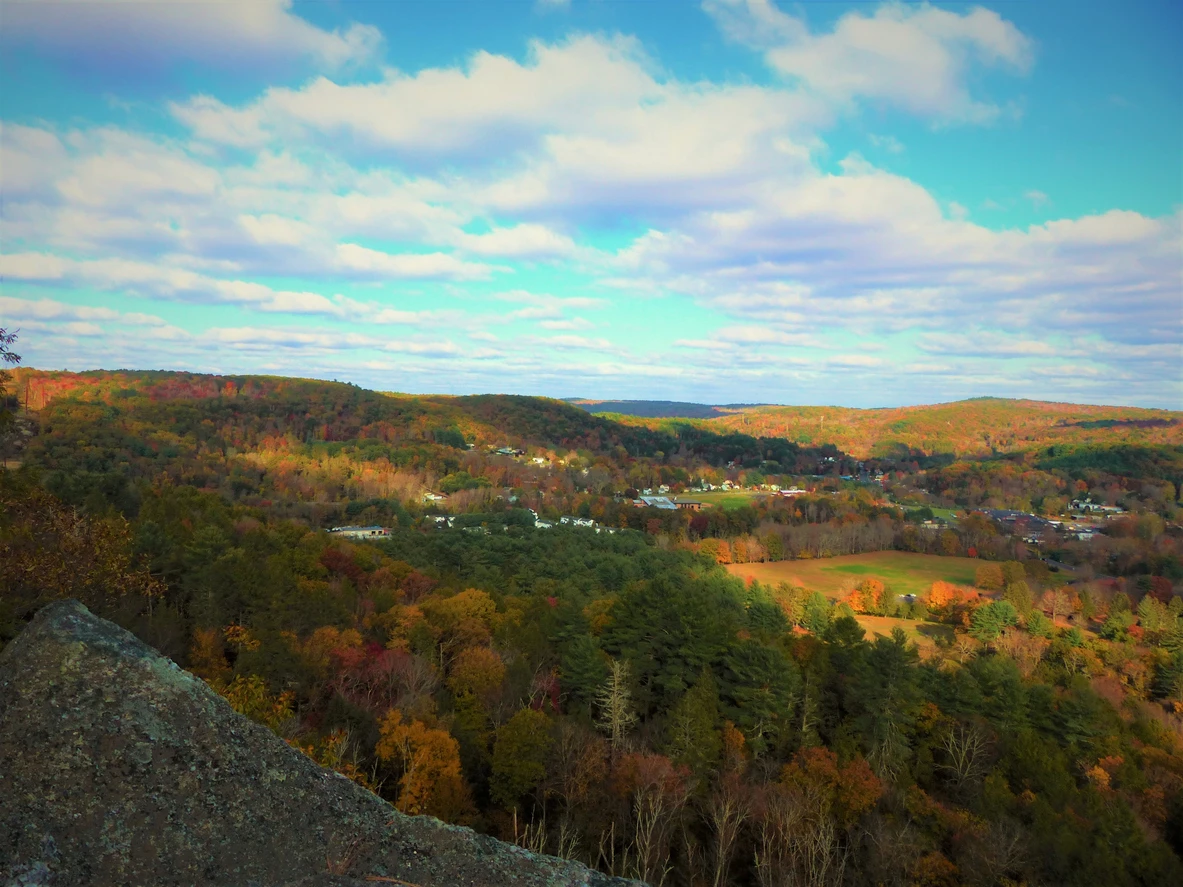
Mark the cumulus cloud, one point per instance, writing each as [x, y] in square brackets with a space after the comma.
[869, 250]
[575, 323]
[546, 307]
[31, 158]
[917, 58]
[494, 105]
[359, 259]
[519, 242]
[242, 35]
[454, 176]
[48, 316]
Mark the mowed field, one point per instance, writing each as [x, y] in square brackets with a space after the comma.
[727, 499]
[901, 571]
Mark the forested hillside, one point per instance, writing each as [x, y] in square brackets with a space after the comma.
[607, 691]
[982, 426]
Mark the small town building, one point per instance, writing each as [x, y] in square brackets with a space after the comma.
[360, 532]
[662, 502]
[792, 492]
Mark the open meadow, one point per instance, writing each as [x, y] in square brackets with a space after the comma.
[728, 499]
[901, 571]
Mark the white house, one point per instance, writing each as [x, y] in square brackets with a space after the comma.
[360, 532]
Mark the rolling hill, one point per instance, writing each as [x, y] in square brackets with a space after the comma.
[978, 427]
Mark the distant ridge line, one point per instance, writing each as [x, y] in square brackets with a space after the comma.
[660, 409]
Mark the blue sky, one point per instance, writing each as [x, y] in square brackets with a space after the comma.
[859, 204]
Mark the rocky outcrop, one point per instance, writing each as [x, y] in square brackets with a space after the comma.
[118, 767]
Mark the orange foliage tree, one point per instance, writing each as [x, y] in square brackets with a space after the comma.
[719, 549]
[429, 760]
[870, 596]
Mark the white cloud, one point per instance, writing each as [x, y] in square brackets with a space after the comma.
[354, 258]
[241, 35]
[584, 137]
[985, 343]
[493, 106]
[856, 360]
[916, 58]
[871, 251]
[580, 343]
[890, 144]
[546, 307]
[519, 242]
[1038, 198]
[575, 323]
[157, 281]
[30, 159]
[270, 229]
[49, 316]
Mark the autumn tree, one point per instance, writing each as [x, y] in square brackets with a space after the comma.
[1012, 572]
[207, 658]
[988, 576]
[459, 621]
[658, 791]
[869, 596]
[804, 818]
[248, 695]
[477, 672]
[428, 759]
[1057, 601]
[943, 594]
[49, 551]
[717, 549]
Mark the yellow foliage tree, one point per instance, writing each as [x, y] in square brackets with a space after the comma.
[476, 672]
[248, 696]
[206, 657]
[719, 549]
[50, 551]
[318, 646]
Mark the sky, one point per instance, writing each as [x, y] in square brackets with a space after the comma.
[859, 204]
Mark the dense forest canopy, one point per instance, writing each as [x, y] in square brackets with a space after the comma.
[609, 691]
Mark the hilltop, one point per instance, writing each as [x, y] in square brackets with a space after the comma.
[529, 644]
[978, 427]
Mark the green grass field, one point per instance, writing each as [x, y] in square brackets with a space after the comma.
[901, 571]
[943, 513]
[726, 498]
